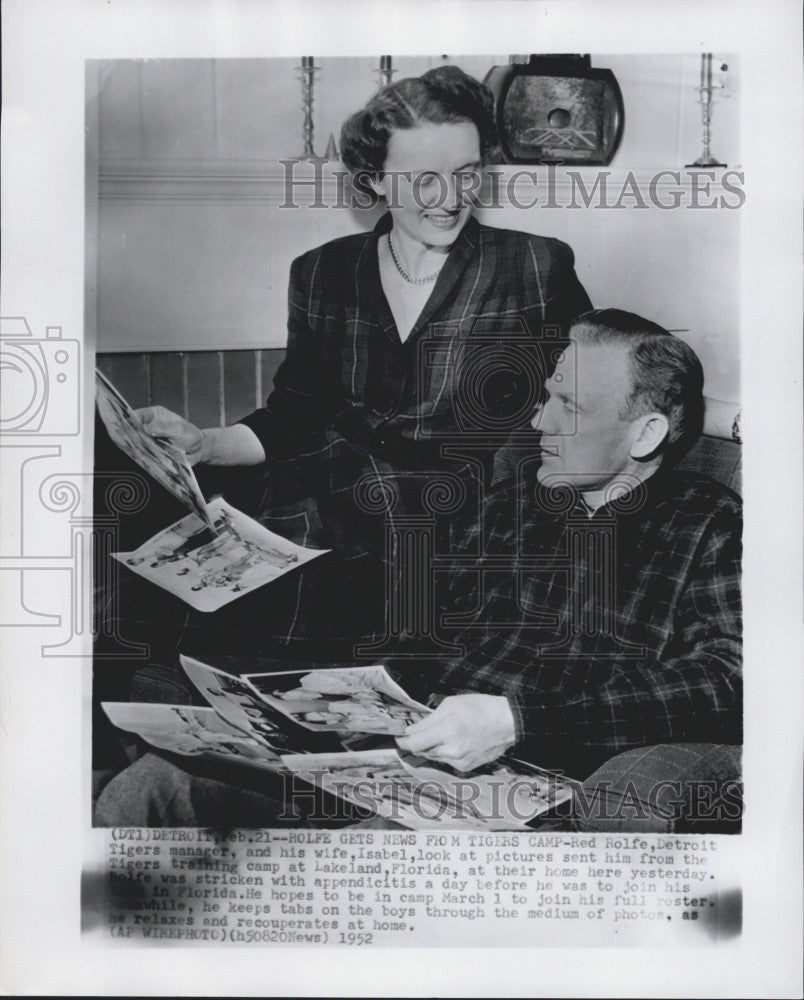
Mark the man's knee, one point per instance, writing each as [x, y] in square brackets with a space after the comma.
[151, 792]
[155, 792]
[667, 788]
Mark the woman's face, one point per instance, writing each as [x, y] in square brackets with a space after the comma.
[429, 180]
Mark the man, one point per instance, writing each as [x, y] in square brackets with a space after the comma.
[602, 601]
[624, 626]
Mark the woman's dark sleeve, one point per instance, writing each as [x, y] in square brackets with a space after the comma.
[553, 298]
[305, 399]
[565, 296]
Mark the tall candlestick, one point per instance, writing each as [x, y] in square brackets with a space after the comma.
[386, 71]
[705, 90]
[308, 71]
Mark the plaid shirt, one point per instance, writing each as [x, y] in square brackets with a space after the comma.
[352, 399]
[346, 368]
[608, 631]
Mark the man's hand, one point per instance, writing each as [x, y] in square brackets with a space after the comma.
[162, 423]
[465, 731]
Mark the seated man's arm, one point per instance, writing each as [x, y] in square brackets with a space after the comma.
[689, 693]
[692, 692]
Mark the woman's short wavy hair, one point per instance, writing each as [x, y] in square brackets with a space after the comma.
[440, 96]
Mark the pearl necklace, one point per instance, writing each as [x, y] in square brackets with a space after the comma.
[411, 281]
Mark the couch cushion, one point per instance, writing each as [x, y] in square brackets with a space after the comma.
[716, 458]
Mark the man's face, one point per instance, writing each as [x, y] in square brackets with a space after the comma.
[429, 176]
[587, 444]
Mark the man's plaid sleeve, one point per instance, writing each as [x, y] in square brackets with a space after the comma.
[691, 693]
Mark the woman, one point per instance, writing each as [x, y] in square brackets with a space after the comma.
[401, 337]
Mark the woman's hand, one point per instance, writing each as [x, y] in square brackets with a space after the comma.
[162, 423]
[235, 445]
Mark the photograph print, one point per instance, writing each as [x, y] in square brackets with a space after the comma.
[469, 324]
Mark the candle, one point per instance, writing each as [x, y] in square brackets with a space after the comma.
[385, 63]
[703, 69]
[307, 62]
[709, 70]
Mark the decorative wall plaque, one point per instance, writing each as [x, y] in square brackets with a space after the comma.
[557, 109]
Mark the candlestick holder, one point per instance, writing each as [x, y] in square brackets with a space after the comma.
[706, 89]
[385, 72]
[308, 71]
[331, 152]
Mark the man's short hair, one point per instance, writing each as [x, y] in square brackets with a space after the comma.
[666, 375]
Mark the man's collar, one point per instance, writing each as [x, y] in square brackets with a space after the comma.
[623, 497]
[623, 492]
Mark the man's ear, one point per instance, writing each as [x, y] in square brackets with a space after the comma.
[648, 433]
